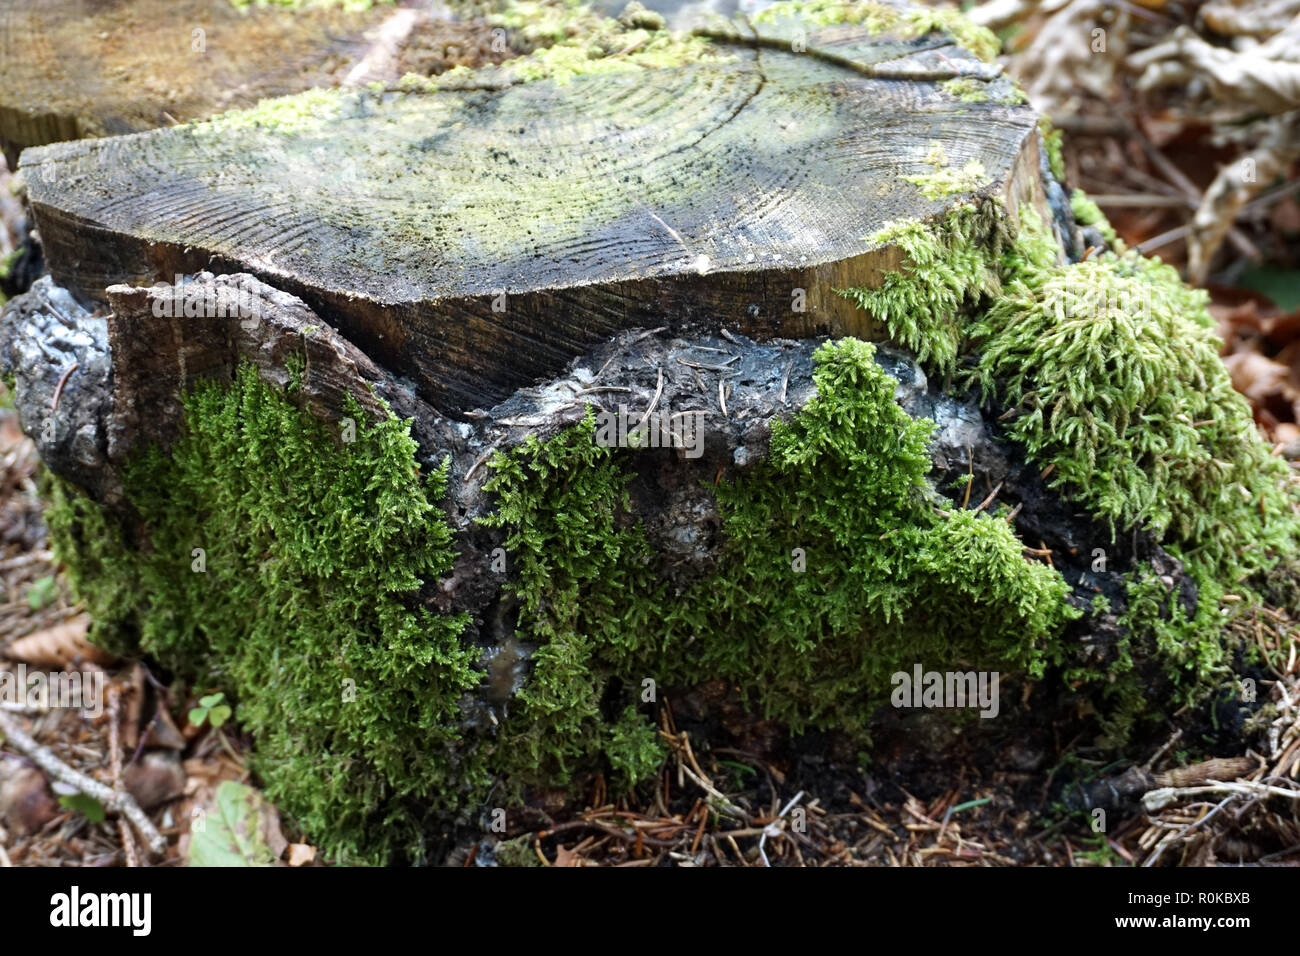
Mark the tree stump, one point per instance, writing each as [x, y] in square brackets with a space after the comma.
[81, 68]
[481, 234]
[503, 405]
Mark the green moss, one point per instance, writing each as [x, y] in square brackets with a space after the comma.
[950, 268]
[517, 851]
[302, 112]
[314, 551]
[889, 581]
[1113, 365]
[967, 89]
[945, 181]
[1088, 213]
[981, 41]
[1054, 140]
[578, 569]
[880, 17]
[1111, 369]
[576, 40]
[613, 49]
[876, 17]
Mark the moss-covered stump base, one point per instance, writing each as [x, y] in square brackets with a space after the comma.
[832, 517]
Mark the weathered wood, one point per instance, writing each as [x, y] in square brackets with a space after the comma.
[477, 238]
[76, 68]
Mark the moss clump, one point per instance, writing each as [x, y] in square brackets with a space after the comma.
[301, 112]
[1113, 365]
[945, 181]
[950, 268]
[614, 50]
[879, 17]
[1111, 368]
[575, 40]
[876, 17]
[967, 89]
[302, 606]
[891, 579]
[586, 601]
[838, 572]
[981, 41]
[1088, 213]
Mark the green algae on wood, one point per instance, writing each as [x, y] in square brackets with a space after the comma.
[612, 196]
[79, 68]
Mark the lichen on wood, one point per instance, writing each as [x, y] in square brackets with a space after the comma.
[625, 183]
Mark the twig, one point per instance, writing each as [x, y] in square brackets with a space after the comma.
[989, 500]
[659, 390]
[474, 467]
[115, 762]
[63, 380]
[112, 799]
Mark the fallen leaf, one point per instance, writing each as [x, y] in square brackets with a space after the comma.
[155, 779]
[1258, 377]
[87, 806]
[59, 646]
[26, 803]
[235, 830]
[300, 854]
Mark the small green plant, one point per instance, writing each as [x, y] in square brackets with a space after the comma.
[42, 593]
[212, 708]
[87, 806]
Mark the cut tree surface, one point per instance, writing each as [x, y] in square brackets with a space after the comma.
[76, 68]
[478, 236]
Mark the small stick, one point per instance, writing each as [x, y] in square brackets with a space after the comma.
[659, 390]
[989, 500]
[474, 467]
[63, 380]
[115, 762]
[970, 475]
[44, 758]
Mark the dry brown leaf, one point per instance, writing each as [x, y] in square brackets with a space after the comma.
[1258, 377]
[58, 646]
[300, 854]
